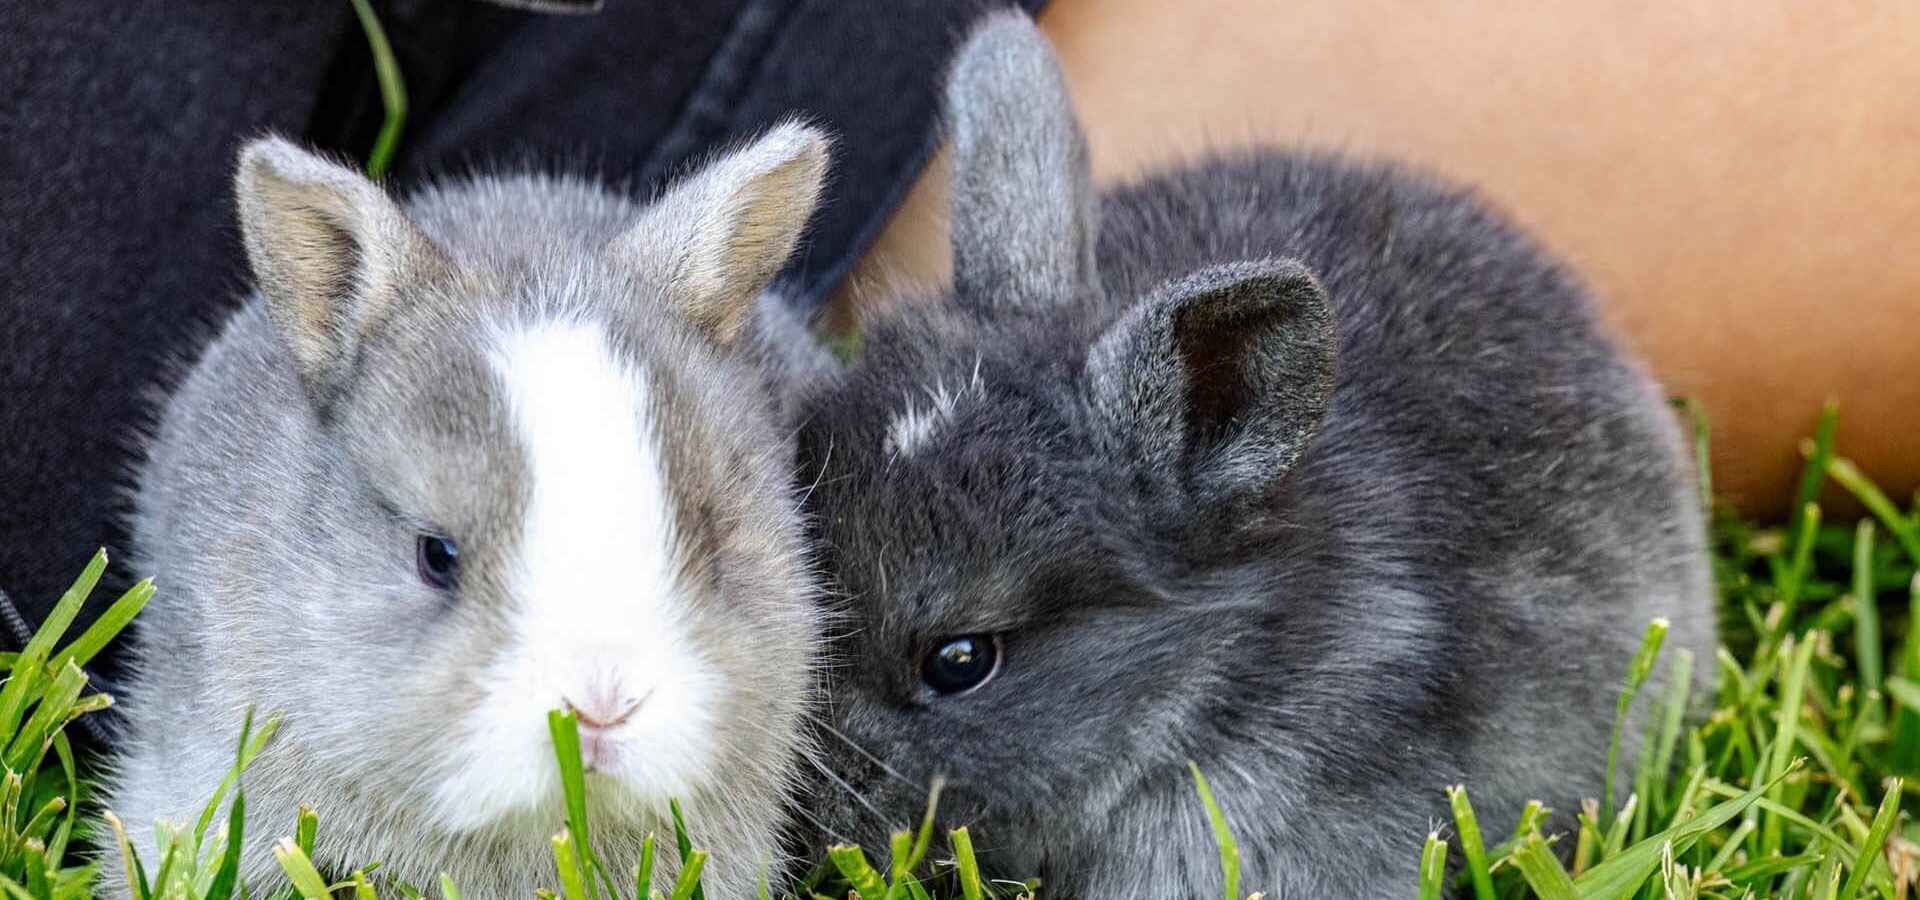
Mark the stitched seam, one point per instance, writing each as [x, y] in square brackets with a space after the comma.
[741, 57]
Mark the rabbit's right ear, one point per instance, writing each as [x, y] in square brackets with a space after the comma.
[719, 236]
[331, 253]
[1023, 201]
[1221, 377]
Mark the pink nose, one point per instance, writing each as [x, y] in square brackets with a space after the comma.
[602, 711]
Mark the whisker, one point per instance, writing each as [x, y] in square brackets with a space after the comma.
[851, 791]
[801, 810]
[817, 476]
[889, 770]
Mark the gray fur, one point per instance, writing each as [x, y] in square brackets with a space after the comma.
[795, 366]
[1022, 209]
[1339, 589]
[283, 491]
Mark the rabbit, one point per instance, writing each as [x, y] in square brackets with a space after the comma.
[500, 449]
[1315, 472]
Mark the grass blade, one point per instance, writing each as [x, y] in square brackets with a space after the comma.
[61, 617]
[1542, 870]
[1906, 719]
[1772, 867]
[1905, 692]
[1531, 816]
[29, 667]
[969, 866]
[107, 627]
[1680, 683]
[129, 860]
[1471, 843]
[393, 91]
[306, 828]
[685, 842]
[925, 839]
[688, 887]
[1792, 695]
[1702, 452]
[1883, 821]
[1866, 613]
[227, 877]
[1222, 833]
[57, 846]
[643, 872]
[35, 854]
[306, 879]
[1623, 874]
[30, 743]
[564, 728]
[1856, 482]
[41, 822]
[853, 866]
[251, 743]
[1433, 868]
[1817, 451]
[899, 847]
[573, 873]
[1800, 563]
[1637, 672]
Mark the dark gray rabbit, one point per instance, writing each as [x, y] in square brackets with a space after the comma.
[1318, 473]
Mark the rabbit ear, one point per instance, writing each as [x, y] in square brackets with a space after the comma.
[330, 250]
[1222, 376]
[1023, 201]
[720, 236]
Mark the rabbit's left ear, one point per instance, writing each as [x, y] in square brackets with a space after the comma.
[1222, 376]
[1023, 199]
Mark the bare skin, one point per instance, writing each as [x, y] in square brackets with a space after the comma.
[1738, 179]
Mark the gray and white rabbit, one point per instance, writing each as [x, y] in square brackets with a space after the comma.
[501, 449]
[1315, 472]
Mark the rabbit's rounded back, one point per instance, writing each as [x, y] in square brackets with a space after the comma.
[501, 450]
[1317, 473]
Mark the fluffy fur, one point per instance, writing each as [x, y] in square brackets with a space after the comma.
[550, 374]
[1317, 473]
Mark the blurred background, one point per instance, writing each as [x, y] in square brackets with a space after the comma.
[1738, 179]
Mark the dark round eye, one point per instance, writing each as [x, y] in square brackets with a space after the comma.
[438, 559]
[961, 664]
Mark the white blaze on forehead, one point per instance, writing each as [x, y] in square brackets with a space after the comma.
[914, 427]
[597, 614]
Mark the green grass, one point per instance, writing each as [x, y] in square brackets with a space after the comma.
[1797, 779]
[393, 91]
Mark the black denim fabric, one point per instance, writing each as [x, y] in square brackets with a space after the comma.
[119, 123]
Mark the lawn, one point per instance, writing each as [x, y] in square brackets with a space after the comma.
[1797, 779]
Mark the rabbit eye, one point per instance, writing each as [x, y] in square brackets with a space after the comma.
[438, 559]
[961, 664]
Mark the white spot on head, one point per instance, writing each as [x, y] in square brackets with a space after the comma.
[597, 618]
[914, 428]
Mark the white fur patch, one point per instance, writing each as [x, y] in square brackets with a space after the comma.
[914, 428]
[597, 618]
